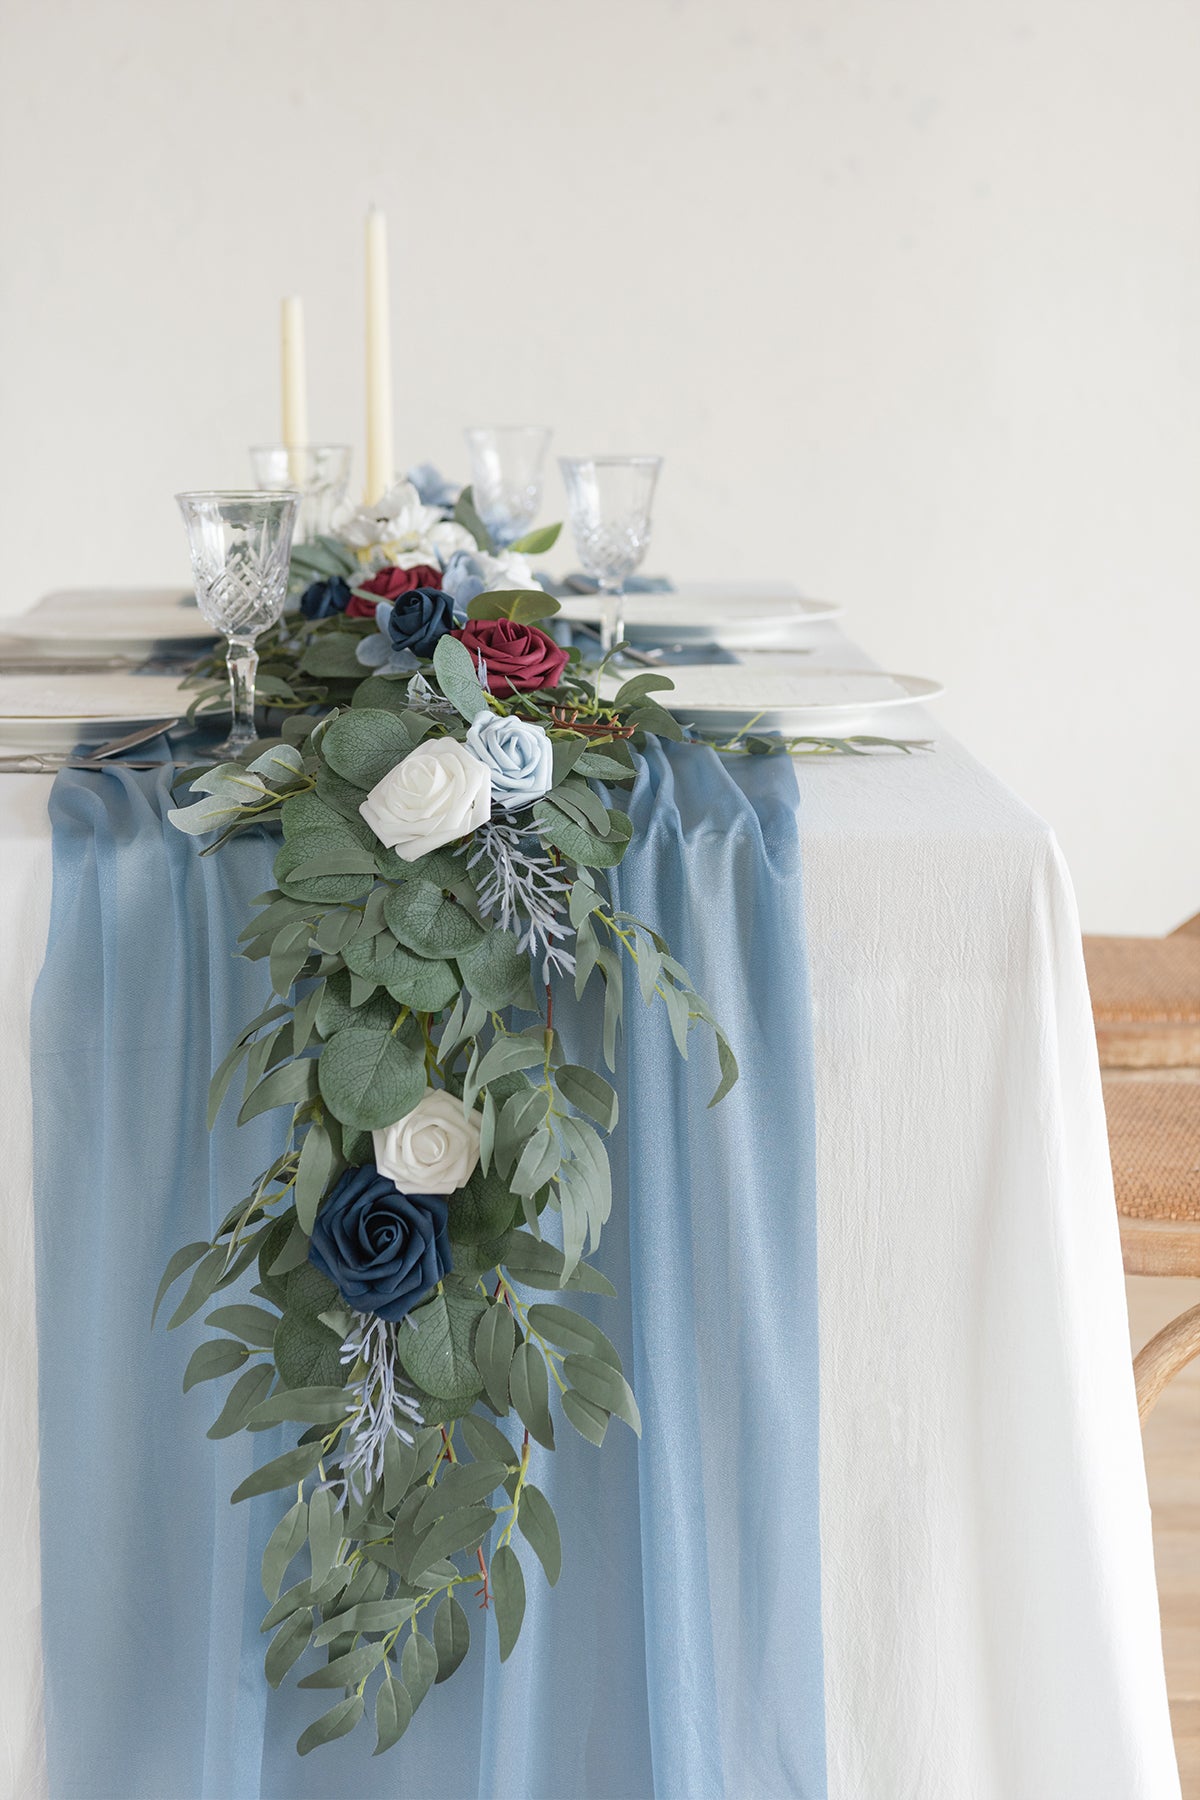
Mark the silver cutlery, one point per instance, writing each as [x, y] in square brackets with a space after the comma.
[33, 764]
[48, 762]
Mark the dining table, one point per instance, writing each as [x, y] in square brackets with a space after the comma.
[988, 1605]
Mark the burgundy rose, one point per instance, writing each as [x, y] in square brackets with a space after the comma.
[389, 584]
[519, 658]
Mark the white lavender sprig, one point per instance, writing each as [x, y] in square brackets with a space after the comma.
[527, 892]
[384, 1406]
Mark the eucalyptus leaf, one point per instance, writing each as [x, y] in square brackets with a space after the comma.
[571, 1331]
[365, 744]
[347, 1670]
[339, 1720]
[178, 1265]
[431, 922]
[589, 1420]
[369, 1615]
[286, 1086]
[216, 1357]
[578, 842]
[418, 1665]
[596, 1380]
[283, 1471]
[205, 1276]
[466, 515]
[539, 1528]
[304, 1406]
[538, 541]
[461, 1484]
[283, 1545]
[307, 1354]
[247, 1392]
[437, 1354]
[496, 971]
[508, 1597]
[589, 1092]
[454, 667]
[369, 1078]
[530, 1389]
[393, 1714]
[451, 1637]
[287, 1646]
[486, 1442]
[461, 1530]
[324, 1533]
[253, 1324]
[399, 1467]
[318, 1161]
[335, 1010]
[495, 1341]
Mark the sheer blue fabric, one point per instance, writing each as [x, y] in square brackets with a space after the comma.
[680, 1654]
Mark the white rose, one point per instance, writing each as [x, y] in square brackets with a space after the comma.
[438, 793]
[433, 1149]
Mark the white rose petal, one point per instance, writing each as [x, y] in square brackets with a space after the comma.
[440, 792]
[433, 1149]
[447, 537]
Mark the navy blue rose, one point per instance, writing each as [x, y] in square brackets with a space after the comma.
[382, 1249]
[325, 598]
[419, 618]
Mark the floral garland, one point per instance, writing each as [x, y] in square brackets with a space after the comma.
[442, 872]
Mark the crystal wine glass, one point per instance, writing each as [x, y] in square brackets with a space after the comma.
[608, 502]
[506, 476]
[319, 473]
[241, 545]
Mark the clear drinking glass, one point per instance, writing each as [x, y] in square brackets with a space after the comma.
[506, 476]
[608, 503]
[319, 473]
[241, 545]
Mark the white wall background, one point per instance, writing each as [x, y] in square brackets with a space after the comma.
[908, 292]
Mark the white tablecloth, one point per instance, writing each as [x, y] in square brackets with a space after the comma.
[991, 1624]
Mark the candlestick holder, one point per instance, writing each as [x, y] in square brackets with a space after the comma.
[319, 473]
[240, 545]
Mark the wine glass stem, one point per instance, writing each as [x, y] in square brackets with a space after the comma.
[612, 615]
[242, 663]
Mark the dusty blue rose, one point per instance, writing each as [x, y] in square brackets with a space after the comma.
[464, 577]
[323, 599]
[432, 487]
[518, 754]
[418, 619]
[383, 1250]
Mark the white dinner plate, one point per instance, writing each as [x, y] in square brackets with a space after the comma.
[793, 698]
[729, 613]
[115, 621]
[55, 712]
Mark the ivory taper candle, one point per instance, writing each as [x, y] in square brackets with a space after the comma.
[381, 458]
[294, 385]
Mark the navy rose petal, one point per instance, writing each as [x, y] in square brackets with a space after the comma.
[324, 599]
[419, 618]
[383, 1250]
